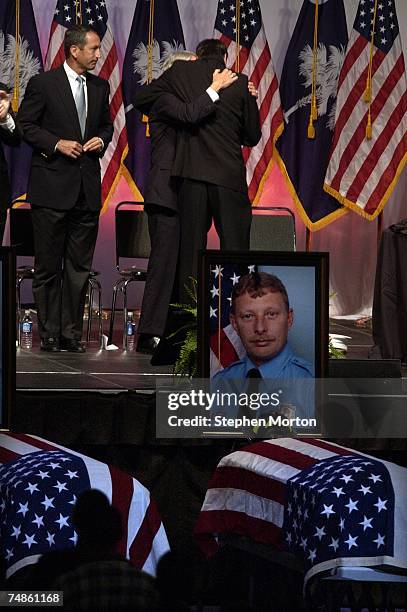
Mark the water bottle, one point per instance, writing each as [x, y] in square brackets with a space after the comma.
[26, 332]
[130, 331]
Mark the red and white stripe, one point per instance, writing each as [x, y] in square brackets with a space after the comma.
[108, 69]
[231, 349]
[144, 540]
[362, 173]
[246, 495]
[257, 64]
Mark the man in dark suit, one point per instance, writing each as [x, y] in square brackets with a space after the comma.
[166, 114]
[9, 135]
[209, 160]
[65, 117]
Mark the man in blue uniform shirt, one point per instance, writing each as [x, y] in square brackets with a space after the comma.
[261, 316]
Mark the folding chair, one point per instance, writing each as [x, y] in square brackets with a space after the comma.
[132, 242]
[273, 230]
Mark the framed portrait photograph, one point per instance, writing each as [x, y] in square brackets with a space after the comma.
[263, 334]
[264, 315]
[7, 335]
[304, 297]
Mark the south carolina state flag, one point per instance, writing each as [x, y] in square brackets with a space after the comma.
[156, 32]
[311, 69]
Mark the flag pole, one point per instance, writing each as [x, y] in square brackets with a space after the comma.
[237, 63]
[78, 7]
[314, 109]
[220, 315]
[150, 42]
[379, 229]
[16, 89]
[308, 239]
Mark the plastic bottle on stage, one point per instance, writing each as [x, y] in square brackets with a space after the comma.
[130, 331]
[26, 332]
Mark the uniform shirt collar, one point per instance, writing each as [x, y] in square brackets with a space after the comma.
[273, 367]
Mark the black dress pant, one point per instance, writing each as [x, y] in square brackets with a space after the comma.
[64, 245]
[163, 227]
[198, 204]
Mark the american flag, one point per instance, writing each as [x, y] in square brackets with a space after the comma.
[39, 483]
[94, 14]
[254, 60]
[249, 495]
[362, 171]
[342, 507]
[225, 345]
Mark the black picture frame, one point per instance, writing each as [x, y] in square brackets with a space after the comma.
[8, 335]
[304, 265]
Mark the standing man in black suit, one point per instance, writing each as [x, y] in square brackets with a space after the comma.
[209, 159]
[166, 114]
[9, 135]
[65, 117]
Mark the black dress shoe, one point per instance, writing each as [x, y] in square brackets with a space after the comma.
[147, 344]
[51, 345]
[72, 345]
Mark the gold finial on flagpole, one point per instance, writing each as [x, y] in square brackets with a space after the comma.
[16, 89]
[314, 108]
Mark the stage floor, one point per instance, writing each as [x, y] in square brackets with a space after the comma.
[120, 370]
[94, 370]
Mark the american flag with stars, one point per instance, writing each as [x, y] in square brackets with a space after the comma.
[340, 508]
[39, 484]
[94, 13]
[362, 172]
[254, 60]
[225, 345]
[251, 494]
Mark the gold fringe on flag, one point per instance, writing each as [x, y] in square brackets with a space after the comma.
[369, 84]
[150, 43]
[16, 90]
[314, 108]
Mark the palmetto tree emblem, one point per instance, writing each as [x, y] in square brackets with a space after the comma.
[28, 65]
[141, 58]
[328, 68]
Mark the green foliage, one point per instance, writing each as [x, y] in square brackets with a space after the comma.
[187, 362]
[335, 353]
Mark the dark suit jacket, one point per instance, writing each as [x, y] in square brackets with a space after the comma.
[166, 115]
[211, 151]
[48, 114]
[11, 139]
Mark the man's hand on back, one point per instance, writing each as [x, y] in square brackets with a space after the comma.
[222, 79]
[4, 105]
[252, 89]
